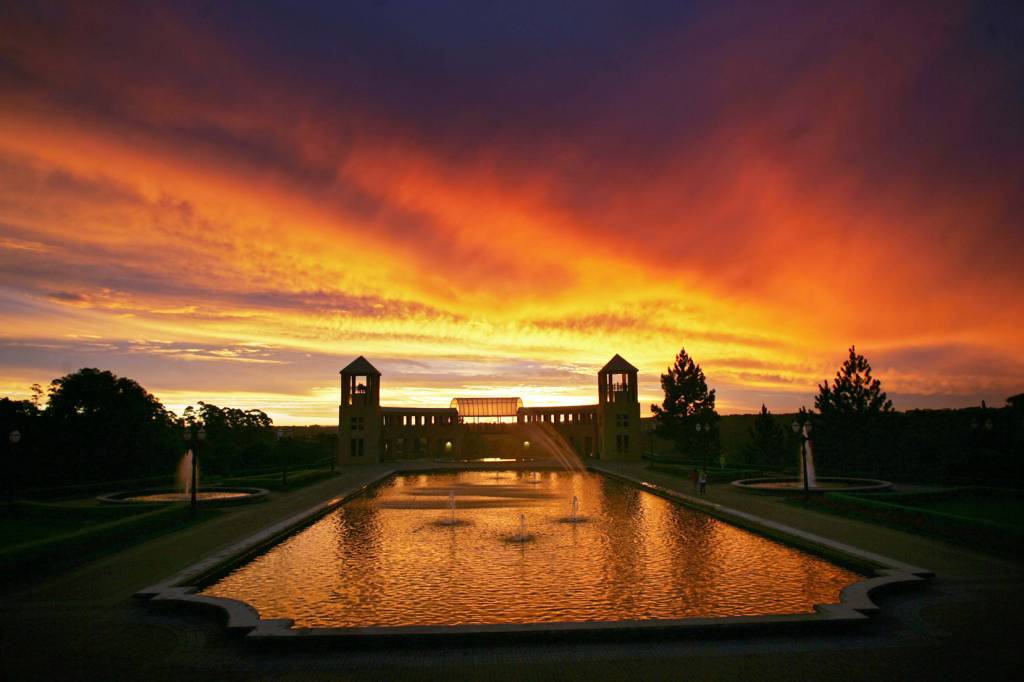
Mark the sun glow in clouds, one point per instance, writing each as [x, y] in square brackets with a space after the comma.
[232, 214]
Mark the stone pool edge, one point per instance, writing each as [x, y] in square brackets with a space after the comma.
[181, 586]
[855, 600]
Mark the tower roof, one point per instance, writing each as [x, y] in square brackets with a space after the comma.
[618, 365]
[361, 366]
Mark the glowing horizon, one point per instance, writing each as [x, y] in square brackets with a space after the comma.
[231, 211]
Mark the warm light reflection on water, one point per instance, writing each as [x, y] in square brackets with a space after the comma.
[386, 558]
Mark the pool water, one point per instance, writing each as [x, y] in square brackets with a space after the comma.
[392, 557]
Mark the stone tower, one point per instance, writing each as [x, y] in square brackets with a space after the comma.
[359, 416]
[618, 410]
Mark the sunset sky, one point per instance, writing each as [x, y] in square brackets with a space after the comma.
[228, 202]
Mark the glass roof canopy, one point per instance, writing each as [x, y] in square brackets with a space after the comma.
[487, 407]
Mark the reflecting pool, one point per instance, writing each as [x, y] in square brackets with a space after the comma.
[394, 557]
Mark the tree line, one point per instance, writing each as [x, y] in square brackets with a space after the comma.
[93, 426]
[854, 429]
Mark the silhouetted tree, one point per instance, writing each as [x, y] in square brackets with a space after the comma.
[236, 440]
[853, 413]
[853, 391]
[769, 443]
[17, 415]
[104, 426]
[37, 396]
[21, 416]
[687, 403]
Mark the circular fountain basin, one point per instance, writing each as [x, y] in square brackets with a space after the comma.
[450, 523]
[788, 486]
[207, 497]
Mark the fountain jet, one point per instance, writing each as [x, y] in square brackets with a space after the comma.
[183, 475]
[812, 479]
[522, 535]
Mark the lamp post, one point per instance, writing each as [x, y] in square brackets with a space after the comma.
[804, 430]
[284, 459]
[705, 427]
[13, 438]
[194, 446]
[981, 439]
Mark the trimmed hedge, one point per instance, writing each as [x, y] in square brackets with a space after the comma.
[715, 475]
[296, 479]
[96, 488]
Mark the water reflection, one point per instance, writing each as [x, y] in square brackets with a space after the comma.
[383, 560]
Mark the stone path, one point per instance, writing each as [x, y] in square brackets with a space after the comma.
[85, 625]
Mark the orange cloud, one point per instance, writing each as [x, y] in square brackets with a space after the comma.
[762, 200]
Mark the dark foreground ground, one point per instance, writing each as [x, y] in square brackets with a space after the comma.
[84, 624]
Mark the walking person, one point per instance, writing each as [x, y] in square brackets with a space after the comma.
[693, 478]
[703, 481]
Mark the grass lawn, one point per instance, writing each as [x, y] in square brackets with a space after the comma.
[15, 530]
[989, 519]
[26, 522]
[38, 538]
[1008, 510]
[29, 522]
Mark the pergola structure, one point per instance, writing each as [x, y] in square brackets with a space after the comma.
[490, 409]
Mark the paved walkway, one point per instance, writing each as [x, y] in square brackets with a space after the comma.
[85, 625]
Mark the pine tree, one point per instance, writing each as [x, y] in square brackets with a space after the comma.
[853, 416]
[769, 443]
[687, 404]
[853, 391]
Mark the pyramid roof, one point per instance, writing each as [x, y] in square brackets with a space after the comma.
[618, 365]
[360, 366]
